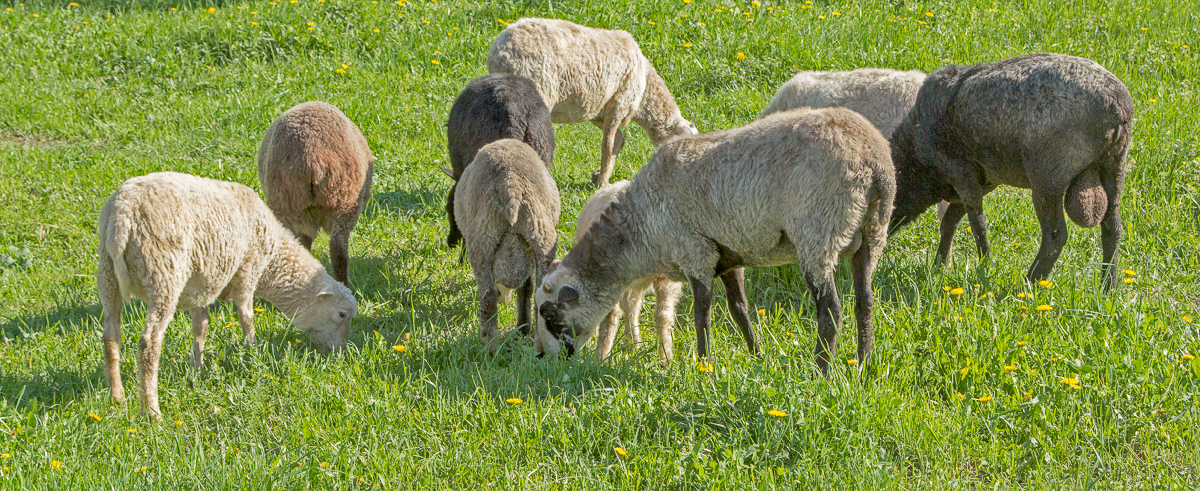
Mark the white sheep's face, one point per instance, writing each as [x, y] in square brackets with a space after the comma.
[685, 128]
[566, 324]
[327, 318]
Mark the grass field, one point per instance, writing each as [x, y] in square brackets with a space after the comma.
[971, 388]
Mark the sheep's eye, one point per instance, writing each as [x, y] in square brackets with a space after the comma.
[341, 315]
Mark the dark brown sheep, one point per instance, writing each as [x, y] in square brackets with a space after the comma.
[1056, 124]
[490, 108]
[316, 169]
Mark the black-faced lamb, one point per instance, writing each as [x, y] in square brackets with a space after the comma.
[796, 187]
[492, 107]
[507, 207]
[589, 74]
[316, 170]
[179, 241]
[666, 292]
[1056, 124]
[881, 95]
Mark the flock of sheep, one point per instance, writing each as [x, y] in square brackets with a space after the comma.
[813, 179]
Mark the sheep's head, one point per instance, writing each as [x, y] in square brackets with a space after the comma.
[566, 308]
[918, 186]
[326, 318]
[684, 127]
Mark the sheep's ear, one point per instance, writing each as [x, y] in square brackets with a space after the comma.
[546, 288]
[446, 171]
[567, 294]
[324, 295]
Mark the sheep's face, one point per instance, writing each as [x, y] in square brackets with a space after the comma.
[327, 318]
[567, 322]
[917, 188]
[685, 128]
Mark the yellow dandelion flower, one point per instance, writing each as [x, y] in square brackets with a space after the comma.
[620, 451]
[1128, 280]
[1021, 295]
[1187, 356]
[253, 24]
[1053, 358]
[704, 366]
[501, 21]
[742, 56]
[399, 348]
[776, 413]
[687, 1]
[1045, 283]
[311, 23]
[1022, 343]
[923, 23]
[16, 431]
[142, 469]
[959, 396]
[297, 340]
[406, 335]
[687, 45]
[702, 24]
[965, 370]
[1187, 318]
[131, 430]
[957, 291]
[946, 288]
[852, 361]
[837, 13]
[259, 310]
[324, 465]
[1044, 307]
[253, 12]
[54, 464]
[513, 400]
[376, 31]
[928, 14]
[822, 17]
[1129, 272]
[435, 62]
[5, 455]
[755, 3]
[212, 10]
[1028, 395]
[992, 10]
[1009, 368]
[10, 9]
[35, 15]
[1068, 381]
[339, 70]
[984, 399]
[178, 422]
[73, 4]
[95, 416]
[1145, 28]
[651, 22]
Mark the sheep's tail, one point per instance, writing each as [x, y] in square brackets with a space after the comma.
[511, 268]
[883, 194]
[114, 230]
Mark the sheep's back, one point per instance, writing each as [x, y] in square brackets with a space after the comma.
[188, 231]
[507, 187]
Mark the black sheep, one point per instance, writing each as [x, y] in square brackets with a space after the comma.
[490, 108]
[1059, 125]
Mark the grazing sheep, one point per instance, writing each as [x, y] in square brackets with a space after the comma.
[492, 107]
[316, 170]
[507, 208]
[881, 95]
[589, 74]
[179, 241]
[796, 187]
[666, 292]
[1056, 124]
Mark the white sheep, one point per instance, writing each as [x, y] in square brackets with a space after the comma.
[796, 187]
[666, 292]
[179, 241]
[589, 74]
[881, 95]
[507, 208]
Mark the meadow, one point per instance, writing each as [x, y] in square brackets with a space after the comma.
[971, 385]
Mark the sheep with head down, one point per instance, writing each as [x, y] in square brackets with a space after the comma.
[797, 187]
[179, 241]
[1056, 124]
[589, 74]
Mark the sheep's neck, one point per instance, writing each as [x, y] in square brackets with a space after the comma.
[657, 112]
[609, 255]
[288, 277]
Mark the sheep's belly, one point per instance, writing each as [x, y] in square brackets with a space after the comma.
[783, 253]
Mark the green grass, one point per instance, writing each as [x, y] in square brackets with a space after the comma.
[91, 95]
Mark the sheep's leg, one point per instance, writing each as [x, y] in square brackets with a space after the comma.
[862, 266]
[608, 333]
[305, 240]
[244, 302]
[735, 293]
[666, 295]
[199, 333]
[1112, 176]
[966, 179]
[489, 329]
[158, 315]
[524, 297]
[829, 316]
[1048, 203]
[633, 308]
[954, 214]
[111, 304]
[702, 310]
[608, 151]
[455, 235]
[339, 247]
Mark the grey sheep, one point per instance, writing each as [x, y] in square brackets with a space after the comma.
[666, 292]
[316, 171]
[589, 74]
[1059, 125]
[179, 241]
[507, 208]
[490, 108]
[796, 187]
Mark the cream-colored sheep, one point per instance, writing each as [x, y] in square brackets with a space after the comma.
[316, 169]
[179, 241]
[507, 207]
[589, 74]
[796, 187]
[666, 292]
[881, 95]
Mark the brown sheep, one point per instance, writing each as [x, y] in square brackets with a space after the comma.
[316, 170]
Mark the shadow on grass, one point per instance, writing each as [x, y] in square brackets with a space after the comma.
[410, 202]
[50, 387]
